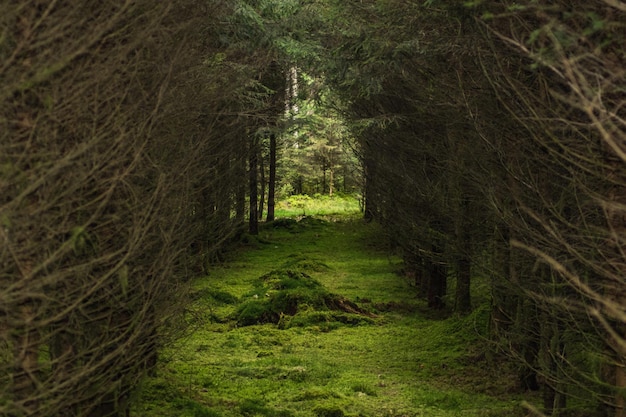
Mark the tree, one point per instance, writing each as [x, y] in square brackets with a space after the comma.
[319, 156]
[515, 127]
[583, 147]
[113, 144]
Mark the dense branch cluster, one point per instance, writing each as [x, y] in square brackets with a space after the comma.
[122, 145]
[492, 135]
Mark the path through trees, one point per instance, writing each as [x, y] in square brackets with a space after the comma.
[486, 137]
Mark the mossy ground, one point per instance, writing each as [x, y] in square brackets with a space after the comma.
[397, 362]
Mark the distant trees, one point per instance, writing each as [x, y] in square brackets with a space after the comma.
[296, 139]
[318, 153]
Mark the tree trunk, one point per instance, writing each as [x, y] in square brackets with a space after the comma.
[526, 324]
[271, 191]
[463, 280]
[462, 297]
[437, 271]
[323, 177]
[253, 221]
[262, 183]
[369, 201]
[437, 284]
[552, 348]
[240, 204]
[503, 300]
[331, 180]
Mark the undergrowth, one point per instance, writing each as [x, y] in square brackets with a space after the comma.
[311, 319]
[318, 205]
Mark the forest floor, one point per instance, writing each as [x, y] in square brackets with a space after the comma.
[313, 318]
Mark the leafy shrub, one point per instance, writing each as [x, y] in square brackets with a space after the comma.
[299, 201]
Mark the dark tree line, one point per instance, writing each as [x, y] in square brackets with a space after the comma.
[492, 137]
[124, 136]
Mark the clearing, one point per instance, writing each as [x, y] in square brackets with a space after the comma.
[312, 318]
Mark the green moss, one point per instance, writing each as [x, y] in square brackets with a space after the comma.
[194, 409]
[331, 355]
[315, 393]
[318, 205]
[364, 389]
[328, 412]
[287, 293]
[216, 295]
[301, 262]
[255, 407]
[256, 312]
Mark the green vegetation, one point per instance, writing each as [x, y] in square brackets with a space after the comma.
[313, 319]
[318, 205]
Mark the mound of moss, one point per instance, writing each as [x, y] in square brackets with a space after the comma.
[328, 412]
[293, 298]
[293, 225]
[286, 223]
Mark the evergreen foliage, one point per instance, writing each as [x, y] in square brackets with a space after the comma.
[491, 135]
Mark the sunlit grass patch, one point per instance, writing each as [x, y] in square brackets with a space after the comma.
[318, 205]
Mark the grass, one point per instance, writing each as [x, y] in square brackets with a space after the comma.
[322, 360]
[318, 205]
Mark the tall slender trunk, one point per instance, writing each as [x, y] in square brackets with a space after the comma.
[437, 272]
[261, 183]
[370, 209]
[253, 221]
[464, 263]
[331, 181]
[240, 204]
[503, 296]
[271, 191]
[324, 168]
[552, 351]
[437, 283]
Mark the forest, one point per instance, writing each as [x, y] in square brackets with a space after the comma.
[143, 144]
